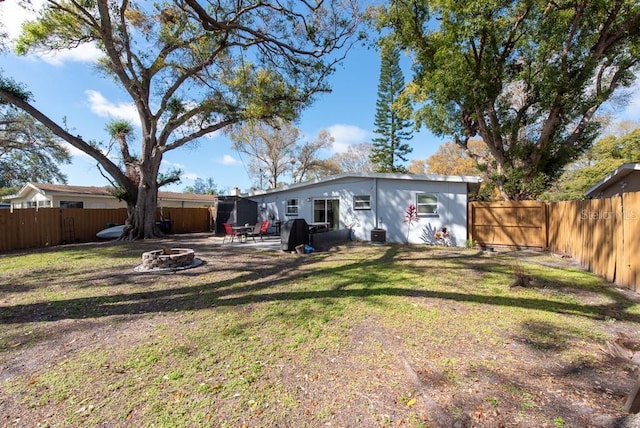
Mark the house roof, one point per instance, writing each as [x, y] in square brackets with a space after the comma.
[408, 177]
[62, 189]
[58, 189]
[195, 197]
[616, 176]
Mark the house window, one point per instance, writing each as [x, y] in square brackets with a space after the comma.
[71, 204]
[44, 204]
[292, 207]
[427, 203]
[362, 202]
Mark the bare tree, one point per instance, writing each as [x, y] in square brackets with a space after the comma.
[306, 162]
[357, 158]
[276, 153]
[270, 148]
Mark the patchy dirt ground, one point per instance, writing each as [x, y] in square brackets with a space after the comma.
[387, 369]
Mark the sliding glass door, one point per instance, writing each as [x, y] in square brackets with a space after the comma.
[327, 211]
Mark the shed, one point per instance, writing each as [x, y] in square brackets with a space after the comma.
[235, 210]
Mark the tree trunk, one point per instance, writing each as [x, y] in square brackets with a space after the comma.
[141, 221]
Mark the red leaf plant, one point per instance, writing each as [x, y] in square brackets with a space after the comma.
[410, 216]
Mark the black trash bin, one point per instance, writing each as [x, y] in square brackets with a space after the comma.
[164, 225]
[294, 233]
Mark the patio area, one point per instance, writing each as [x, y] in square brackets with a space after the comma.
[270, 242]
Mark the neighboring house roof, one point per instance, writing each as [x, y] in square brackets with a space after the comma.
[616, 177]
[195, 197]
[62, 189]
[47, 189]
[470, 180]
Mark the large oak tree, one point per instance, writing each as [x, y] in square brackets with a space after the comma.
[191, 68]
[527, 76]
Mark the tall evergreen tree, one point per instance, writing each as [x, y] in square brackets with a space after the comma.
[392, 112]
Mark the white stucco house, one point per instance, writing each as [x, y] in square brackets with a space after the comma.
[364, 202]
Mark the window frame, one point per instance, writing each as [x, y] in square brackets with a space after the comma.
[74, 204]
[367, 202]
[290, 207]
[420, 205]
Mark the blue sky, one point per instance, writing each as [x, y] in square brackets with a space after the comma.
[67, 87]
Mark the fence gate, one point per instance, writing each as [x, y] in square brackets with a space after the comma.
[519, 224]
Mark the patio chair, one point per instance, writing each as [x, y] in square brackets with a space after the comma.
[229, 232]
[260, 229]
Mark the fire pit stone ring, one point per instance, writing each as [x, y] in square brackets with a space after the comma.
[168, 259]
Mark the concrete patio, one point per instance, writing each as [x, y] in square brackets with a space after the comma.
[271, 242]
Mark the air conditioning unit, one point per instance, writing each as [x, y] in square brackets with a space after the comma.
[379, 236]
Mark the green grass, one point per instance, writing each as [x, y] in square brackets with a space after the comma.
[268, 338]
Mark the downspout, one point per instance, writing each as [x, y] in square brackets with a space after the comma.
[375, 192]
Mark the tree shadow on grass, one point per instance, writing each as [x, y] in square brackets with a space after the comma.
[253, 285]
[253, 282]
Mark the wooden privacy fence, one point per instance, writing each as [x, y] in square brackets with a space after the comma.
[520, 224]
[603, 235]
[31, 228]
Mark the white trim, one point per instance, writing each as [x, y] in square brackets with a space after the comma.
[369, 176]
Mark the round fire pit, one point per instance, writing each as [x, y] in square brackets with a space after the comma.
[168, 259]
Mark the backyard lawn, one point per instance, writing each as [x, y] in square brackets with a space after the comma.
[360, 336]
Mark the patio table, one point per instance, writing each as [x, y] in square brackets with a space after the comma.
[243, 231]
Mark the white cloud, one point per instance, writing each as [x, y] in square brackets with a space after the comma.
[81, 156]
[104, 108]
[87, 52]
[229, 160]
[166, 165]
[13, 15]
[347, 135]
